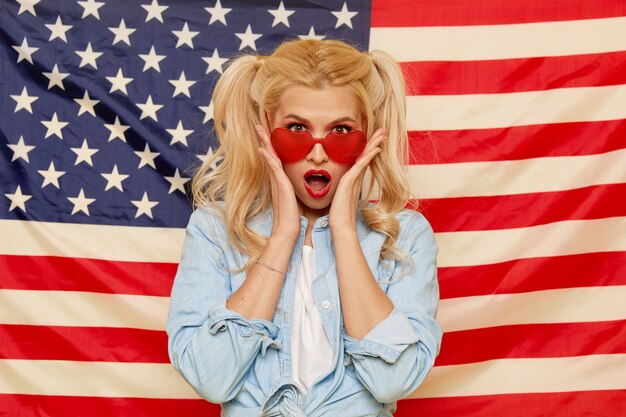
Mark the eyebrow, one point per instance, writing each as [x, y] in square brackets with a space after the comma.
[302, 119]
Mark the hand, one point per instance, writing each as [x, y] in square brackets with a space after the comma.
[284, 203]
[342, 213]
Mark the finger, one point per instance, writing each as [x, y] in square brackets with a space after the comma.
[364, 160]
[376, 139]
[265, 139]
[272, 162]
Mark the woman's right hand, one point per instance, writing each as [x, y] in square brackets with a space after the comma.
[284, 203]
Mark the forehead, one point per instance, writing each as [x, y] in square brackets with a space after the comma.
[315, 104]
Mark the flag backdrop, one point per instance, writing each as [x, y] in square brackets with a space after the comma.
[516, 114]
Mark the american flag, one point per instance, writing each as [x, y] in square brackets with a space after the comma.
[516, 114]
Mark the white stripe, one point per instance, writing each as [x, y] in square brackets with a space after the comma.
[68, 308]
[144, 380]
[566, 305]
[554, 239]
[119, 243]
[482, 42]
[534, 175]
[97, 379]
[52, 308]
[516, 376]
[456, 248]
[484, 111]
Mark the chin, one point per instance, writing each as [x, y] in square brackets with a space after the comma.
[317, 204]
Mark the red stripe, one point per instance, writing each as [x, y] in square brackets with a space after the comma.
[404, 13]
[524, 210]
[93, 275]
[533, 341]
[66, 406]
[561, 404]
[518, 142]
[554, 404]
[531, 74]
[82, 344]
[534, 274]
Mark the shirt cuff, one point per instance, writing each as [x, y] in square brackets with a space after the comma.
[387, 340]
[221, 317]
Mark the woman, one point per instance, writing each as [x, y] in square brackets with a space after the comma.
[294, 296]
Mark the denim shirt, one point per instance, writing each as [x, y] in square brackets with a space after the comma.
[245, 364]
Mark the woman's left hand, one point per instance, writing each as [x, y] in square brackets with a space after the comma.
[342, 214]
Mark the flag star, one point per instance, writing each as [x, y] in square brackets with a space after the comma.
[56, 78]
[208, 156]
[51, 176]
[208, 112]
[54, 126]
[144, 206]
[81, 203]
[154, 11]
[88, 57]
[177, 182]
[24, 51]
[182, 85]
[214, 62]
[149, 109]
[24, 101]
[344, 16]
[311, 35]
[20, 150]
[84, 153]
[27, 6]
[86, 104]
[114, 179]
[117, 130]
[152, 60]
[179, 134]
[119, 82]
[147, 157]
[218, 13]
[91, 8]
[248, 38]
[281, 15]
[58, 30]
[122, 33]
[185, 36]
[18, 199]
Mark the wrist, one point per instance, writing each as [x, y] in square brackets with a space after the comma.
[343, 230]
[284, 236]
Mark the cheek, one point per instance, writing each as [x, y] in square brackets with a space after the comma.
[340, 172]
[293, 172]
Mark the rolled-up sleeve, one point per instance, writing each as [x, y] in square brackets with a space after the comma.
[397, 354]
[211, 346]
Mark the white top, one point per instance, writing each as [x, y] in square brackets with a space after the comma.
[311, 352]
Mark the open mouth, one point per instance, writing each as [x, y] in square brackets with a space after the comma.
[317, 182]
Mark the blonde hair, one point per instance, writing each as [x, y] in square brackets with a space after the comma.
[252, 85]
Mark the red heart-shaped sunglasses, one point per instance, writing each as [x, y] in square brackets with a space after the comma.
[295, 145]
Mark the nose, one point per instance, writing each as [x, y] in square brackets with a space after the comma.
[317, 155]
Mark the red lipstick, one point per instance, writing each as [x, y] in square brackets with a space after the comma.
[317, 182]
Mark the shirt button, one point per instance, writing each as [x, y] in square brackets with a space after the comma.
[324, 223]
[325, 304]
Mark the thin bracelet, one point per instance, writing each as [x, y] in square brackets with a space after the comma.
[269, 267]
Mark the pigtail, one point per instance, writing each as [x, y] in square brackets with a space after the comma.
[240, 179]
[388, 169]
